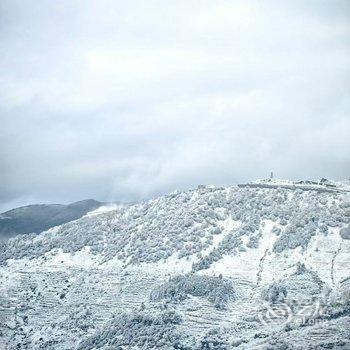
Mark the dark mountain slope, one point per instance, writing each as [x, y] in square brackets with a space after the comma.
[40, 217]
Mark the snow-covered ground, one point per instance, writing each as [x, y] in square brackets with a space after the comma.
[63, 286]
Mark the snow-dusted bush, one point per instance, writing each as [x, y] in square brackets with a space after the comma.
[292, 238]
[276, 230]
[203, 263]
[279, 344]
[139, 330]
[283, 221]
[79, 319]
[303, 283]
[323, 228]
[253, 241]
[345, 233]
[275, 293]
[217, 290]
[215, 339]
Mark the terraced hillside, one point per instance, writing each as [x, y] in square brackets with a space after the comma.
[212, 268]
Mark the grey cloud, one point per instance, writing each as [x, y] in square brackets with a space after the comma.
[126, 100]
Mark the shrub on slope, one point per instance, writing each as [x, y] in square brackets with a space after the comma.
[139, 330]
[302, 284]
[217, 290]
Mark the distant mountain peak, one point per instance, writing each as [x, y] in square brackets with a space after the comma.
[40, 217]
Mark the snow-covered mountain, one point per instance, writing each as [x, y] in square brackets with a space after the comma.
[246, 267]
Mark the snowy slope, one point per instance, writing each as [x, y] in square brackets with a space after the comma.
[274, 259]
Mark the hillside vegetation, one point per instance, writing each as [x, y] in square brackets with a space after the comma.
[211, 268]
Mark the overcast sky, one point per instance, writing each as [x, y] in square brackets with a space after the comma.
[124, 100]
